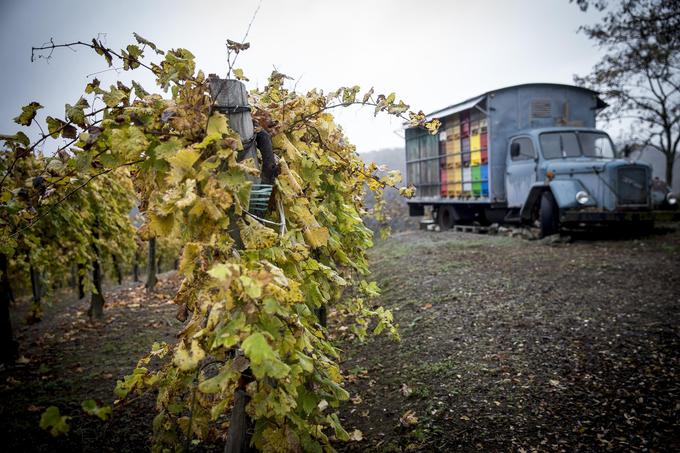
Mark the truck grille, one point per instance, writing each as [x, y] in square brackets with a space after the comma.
[632, 186]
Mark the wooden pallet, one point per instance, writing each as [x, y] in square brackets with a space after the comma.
[471, 229]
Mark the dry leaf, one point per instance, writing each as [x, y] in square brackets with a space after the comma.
[406, 390]
[356, 435]
[408, 419]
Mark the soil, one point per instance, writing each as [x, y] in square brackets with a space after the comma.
[506, 344]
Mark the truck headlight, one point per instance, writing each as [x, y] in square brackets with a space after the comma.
[582, 197]
[671, 199]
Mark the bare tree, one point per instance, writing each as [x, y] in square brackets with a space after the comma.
[639, 74]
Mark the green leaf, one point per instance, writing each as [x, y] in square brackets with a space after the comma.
[219, 382]
[92, 408]
[238, 73]
[146, 42]
[114, 97]
[129, 142]
[54, 126]
[76, 113]
[140, 92]
[263, 359]
[51, 420]
[221, 271]
[19, 137]
[251, 287]
[28, 113]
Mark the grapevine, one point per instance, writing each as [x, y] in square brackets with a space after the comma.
[252, 284]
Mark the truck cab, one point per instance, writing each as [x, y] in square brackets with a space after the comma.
[571, 177]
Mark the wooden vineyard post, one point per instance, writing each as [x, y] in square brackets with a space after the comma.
[231, 98]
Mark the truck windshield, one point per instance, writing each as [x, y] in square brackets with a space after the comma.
[557, 145]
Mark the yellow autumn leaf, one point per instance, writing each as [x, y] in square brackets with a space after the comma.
[217, 124]
[188, 359]
[256, 236]
[184, 159]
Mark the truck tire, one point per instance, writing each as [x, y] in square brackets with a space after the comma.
[548, 215]
[446, 217]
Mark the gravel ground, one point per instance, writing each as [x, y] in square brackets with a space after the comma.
[509, 344]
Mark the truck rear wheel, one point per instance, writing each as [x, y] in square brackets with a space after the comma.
[446, 217]
[548, 215]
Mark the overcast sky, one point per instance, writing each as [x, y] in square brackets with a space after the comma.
[431, 53]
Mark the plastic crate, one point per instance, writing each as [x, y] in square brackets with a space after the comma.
[475, 142]
[455, 160]
[484, 173]
[476, 180]
[464, 129]
[475, 157]
[453, 146]
[455, 189]
[465, 150]
[467, 180]
[259, 199]
[454, 174]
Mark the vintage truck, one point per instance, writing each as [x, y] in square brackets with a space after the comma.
[525, 154]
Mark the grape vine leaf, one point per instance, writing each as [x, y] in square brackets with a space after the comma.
[51, 420]
[263, 359]
[92, 408]
[28, 113]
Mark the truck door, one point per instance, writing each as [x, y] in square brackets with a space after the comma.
[520, 172]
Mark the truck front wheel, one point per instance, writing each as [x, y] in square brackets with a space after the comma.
[548, 215]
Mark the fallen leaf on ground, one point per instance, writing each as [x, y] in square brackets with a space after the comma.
[356, 435]
[408, 419]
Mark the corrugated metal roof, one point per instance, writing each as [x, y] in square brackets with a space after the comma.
[456, 107]
[469, 103]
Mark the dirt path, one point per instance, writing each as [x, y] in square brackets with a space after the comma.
[506, 345]
[71, 360]
[515, 345]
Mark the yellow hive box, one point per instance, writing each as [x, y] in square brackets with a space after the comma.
[454, 175]
[453, 146]
[475, 142]
[475, 157]
[454, 161]
[455, 189]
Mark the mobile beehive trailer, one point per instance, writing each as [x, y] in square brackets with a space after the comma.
[461, 171]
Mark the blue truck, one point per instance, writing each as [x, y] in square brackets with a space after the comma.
[526, 154]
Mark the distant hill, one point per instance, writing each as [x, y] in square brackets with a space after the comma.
[396, 208]
[394, 158]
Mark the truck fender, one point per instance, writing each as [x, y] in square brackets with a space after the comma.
[564, 192]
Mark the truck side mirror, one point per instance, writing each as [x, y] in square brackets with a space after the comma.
[514, 150]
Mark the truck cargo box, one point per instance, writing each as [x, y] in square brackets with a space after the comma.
[469, 167]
